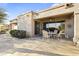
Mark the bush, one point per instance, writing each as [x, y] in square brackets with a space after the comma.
[18, 33]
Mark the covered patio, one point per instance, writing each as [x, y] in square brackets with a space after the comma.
[66, 18]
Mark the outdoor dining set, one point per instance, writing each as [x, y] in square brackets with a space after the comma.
[54, 35]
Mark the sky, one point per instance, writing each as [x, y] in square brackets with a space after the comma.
[15, 9]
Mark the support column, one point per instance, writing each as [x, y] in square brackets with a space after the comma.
[32, 24]
[41, 27]
[76, 28]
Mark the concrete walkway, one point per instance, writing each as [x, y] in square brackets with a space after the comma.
[36, 47]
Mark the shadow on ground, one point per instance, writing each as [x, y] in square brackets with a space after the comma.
[23, 50]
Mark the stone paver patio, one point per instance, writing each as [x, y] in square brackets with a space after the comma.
[36, 47]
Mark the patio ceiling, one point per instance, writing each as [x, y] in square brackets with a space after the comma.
[55, 18]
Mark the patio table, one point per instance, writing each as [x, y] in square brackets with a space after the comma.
[52, 34]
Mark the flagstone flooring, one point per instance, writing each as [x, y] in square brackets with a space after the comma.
[36, 47]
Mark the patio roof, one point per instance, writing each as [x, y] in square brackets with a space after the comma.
[56, 18]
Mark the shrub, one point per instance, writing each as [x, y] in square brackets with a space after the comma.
[18, 33]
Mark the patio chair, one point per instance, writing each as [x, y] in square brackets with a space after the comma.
[54, 34]
[45, 34]
[60, 35]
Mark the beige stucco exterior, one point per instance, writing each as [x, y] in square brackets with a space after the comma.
[69, 31]
[26, 22]
[68, 13]
[13, 24]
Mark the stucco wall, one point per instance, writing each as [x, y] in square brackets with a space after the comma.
[25, 22]
[21, 23]
[13, 26]
[69, 27]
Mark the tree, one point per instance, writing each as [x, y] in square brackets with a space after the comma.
[62, 26]
[2, 15]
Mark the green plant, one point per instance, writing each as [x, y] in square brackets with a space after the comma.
[18, 33]
[62, 26]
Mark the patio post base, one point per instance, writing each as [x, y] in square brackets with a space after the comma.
[76, 41]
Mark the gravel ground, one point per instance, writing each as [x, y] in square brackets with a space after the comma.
[36, 47]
